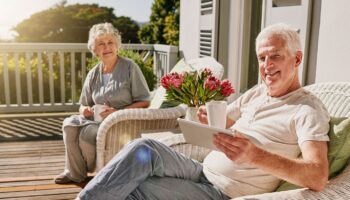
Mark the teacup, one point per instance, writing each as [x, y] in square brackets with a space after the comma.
[216, 113]
[98, 109]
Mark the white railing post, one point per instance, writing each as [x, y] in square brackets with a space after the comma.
[6, 80]
[72, 75]
[18, 81]
[165, 58]
[40, 79]
[51, 82]
[29, 79]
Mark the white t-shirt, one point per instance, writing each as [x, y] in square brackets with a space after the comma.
[278, 125]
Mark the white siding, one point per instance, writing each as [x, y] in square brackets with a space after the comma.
[334, 42]
[297, 16]
[189, 28]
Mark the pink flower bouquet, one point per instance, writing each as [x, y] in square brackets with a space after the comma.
[195, 88]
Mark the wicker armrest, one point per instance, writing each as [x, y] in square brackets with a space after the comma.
[125, 125]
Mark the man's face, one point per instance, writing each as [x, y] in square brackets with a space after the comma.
[278, 66]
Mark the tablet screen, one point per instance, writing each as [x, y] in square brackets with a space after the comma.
[200, 134]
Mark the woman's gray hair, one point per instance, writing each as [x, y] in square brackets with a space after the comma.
[101, 29]
[283, 31]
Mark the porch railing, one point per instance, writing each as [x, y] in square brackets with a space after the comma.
[32, 73]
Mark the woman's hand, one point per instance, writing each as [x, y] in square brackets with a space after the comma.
[202, 115]
[237, 148]
[86, 111]
[108, 110]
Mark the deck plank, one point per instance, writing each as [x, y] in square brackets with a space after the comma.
[51, 197]
[35, 194]
[27, 170]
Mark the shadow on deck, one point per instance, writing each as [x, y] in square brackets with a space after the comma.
[32, 154]
[31, 127]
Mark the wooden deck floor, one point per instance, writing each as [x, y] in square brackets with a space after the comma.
[27, 170]
[31, 155]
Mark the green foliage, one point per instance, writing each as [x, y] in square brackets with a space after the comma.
[145, 66]
[72, 23]
[145, 34]
[171, 30]
[163, 27]
[128, 28]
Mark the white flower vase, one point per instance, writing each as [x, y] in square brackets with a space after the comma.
[191, 114]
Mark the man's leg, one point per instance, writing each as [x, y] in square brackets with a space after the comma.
[134, 164]
[176, 189]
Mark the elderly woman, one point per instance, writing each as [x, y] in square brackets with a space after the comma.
[115, 82]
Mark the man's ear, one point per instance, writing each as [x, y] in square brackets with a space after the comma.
[298, 58]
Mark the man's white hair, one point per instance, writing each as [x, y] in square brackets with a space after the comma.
[101, 29]
[289, 35]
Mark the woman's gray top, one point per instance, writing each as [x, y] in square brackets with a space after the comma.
[126, 86]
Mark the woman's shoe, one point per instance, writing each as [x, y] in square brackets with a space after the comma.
[62, 179]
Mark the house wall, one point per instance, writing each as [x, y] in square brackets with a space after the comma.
[334, 42]
[230, 43]
[330, 44]
[189, 28]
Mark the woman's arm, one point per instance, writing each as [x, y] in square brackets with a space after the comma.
[138, 104]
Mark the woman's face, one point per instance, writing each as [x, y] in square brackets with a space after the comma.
[105, 47]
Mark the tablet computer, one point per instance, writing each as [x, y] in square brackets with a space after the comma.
[200, 134]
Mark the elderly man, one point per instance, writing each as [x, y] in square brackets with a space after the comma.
[274, 122]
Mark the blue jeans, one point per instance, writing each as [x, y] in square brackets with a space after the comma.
[147, 169]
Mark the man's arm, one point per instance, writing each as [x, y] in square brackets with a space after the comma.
[310, 171]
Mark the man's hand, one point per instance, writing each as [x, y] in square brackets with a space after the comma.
[202, 115]
[237, 148]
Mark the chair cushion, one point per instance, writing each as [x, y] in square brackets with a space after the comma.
[207, 62]
[339, 145]
[338, 149]
[158, 98]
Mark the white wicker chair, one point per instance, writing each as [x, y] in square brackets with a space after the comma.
[336, 97]
[123, 126]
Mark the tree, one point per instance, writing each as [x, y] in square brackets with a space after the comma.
[171, 29]
[128, 29]
[163, 27]
[71, 23]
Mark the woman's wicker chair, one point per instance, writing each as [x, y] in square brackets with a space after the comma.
[123, 126]
[336, 97]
